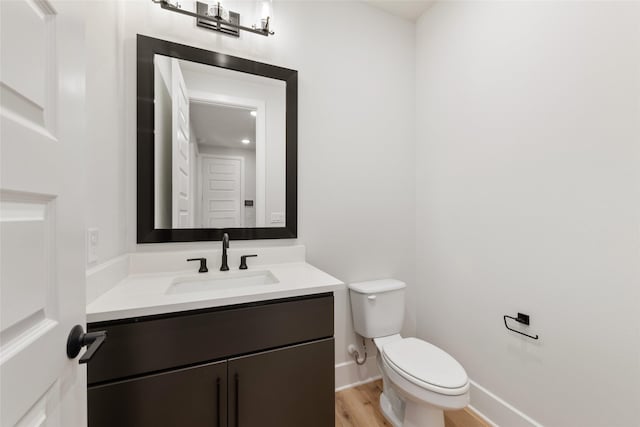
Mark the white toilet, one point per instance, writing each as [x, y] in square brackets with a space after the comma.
[420, 380]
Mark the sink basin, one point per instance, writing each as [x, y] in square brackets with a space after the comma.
[221, 281]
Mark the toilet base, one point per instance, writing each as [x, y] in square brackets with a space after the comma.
[422, 415]
[415, 415]
[407, 413]
[387, 411]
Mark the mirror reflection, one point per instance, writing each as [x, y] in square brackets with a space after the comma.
[219, 147]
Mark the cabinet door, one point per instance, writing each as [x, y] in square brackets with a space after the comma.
[289, 387]
[191, 397]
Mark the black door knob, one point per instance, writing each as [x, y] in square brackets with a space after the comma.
[78, 339]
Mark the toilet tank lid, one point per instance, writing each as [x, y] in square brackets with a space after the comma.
[377, 286]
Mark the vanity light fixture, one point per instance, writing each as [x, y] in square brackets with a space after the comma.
[216, 17]
[246, 141]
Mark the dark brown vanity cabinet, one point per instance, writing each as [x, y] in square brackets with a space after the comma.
[259, 364]
[195, 397]
[293, 386]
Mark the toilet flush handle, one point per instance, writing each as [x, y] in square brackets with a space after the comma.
[371, 297]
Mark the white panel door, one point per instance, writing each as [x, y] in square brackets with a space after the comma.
[222, 192]
[182, 214]
[42, 275]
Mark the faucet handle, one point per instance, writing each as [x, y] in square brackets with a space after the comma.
[243, 261]
[203, 264]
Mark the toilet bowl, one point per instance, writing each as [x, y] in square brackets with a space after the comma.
[420, 380]
[425, 377]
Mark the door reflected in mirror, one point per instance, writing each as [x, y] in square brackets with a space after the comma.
[219, 147]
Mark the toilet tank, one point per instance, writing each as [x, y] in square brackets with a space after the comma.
[377, 307]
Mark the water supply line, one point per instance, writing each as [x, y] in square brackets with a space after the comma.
[356, 355]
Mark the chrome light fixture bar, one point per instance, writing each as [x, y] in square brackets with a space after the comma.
[216, 22]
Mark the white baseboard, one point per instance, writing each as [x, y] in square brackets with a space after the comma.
[105, 276]
[349, 374]
[497, 411]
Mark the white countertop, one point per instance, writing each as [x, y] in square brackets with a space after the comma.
[146, 294]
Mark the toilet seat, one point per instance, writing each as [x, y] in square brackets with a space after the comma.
[426, 366]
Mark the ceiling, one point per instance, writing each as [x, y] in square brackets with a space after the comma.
[409, 9]
[223, 125]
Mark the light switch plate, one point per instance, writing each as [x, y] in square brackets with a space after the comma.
[93, 239]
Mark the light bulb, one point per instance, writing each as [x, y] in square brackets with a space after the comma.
[264, 15]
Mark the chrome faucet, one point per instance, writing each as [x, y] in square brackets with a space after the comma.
[225, 246]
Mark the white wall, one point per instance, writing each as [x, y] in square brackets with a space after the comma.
[356, 133]
[528, 185]
[106, 172]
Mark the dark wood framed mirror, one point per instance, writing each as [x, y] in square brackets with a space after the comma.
[217, 146]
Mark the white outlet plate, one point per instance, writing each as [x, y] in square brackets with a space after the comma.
[93, 240]
[277, 217]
